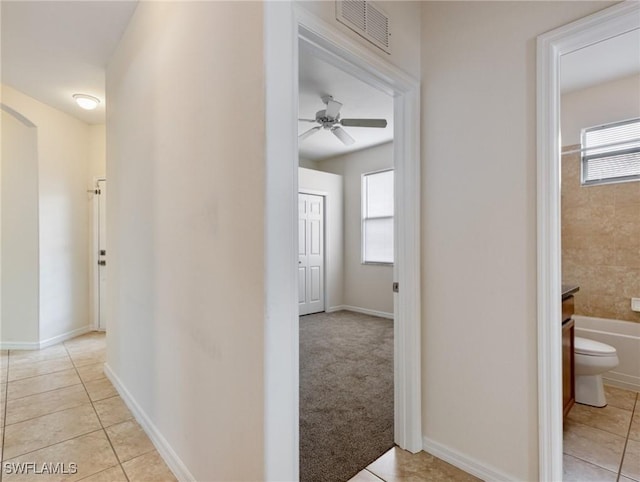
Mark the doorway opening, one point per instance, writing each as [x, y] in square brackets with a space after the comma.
[600, 240]
[287, 31]
[346, 271]
[607, 24]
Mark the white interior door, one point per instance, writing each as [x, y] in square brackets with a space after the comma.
[102, 253]
[310, 253]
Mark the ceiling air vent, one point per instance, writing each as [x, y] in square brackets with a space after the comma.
[366, 19]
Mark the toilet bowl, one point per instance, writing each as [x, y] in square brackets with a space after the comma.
[592, 359]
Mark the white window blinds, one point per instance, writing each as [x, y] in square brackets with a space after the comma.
[377, 217]
[611, 152]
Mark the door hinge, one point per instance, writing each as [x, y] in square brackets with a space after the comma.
[396, 287]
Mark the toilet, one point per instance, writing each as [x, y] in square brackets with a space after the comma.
[592, 359]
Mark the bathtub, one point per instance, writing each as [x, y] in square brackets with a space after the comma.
[624, 336]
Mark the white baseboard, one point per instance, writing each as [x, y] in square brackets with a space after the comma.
[174, 462]
[65, 336]
[35, 345]
[19, 345]
[366, 311]
[469, 465]
[621, 380]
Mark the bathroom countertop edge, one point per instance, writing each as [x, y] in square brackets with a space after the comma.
[568, 290]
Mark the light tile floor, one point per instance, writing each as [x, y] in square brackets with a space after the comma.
[600, 444]
[57, 406]
[603, 444]
[400, 465]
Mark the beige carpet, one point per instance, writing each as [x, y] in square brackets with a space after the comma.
[346, 394]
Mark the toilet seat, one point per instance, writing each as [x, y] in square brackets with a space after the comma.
[584, 346]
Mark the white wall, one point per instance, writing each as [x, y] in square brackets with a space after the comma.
[609, 102]
[63, 207]
[19, 242]
[365, 286]
[404, 19]
[97, 152]
[307, 163]
[479, 227]
[185, 220]
[330, 184]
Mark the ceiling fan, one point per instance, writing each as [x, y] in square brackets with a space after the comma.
[329, 118]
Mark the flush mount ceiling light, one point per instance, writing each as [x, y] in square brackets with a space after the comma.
[87, 102]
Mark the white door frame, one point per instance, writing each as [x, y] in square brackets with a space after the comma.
[286, 27]
[95, 257]
[595, 28]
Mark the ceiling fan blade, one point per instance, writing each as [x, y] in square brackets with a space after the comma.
[343, 135]
[333, 108]
[309, 133]
[364, 122]
[307, 120]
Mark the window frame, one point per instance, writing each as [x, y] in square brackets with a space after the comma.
[585, 157]
[363, 218]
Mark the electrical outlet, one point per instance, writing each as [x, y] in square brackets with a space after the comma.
[635, 304]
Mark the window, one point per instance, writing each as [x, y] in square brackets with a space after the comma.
[611, 153]
[377, 217]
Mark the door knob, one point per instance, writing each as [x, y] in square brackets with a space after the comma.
[102, 262]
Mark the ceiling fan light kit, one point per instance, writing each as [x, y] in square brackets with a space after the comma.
[343, 135]
[329, 118]
[308, 133]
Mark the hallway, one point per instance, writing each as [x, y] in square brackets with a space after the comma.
[59, 413]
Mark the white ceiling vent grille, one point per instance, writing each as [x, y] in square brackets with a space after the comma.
[366, 19]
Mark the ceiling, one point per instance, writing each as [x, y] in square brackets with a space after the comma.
[52, 50]
[360, 100]
[611, 59]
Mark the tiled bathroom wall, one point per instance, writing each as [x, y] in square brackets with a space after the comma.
[600, 243]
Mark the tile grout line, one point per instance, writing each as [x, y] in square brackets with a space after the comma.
[43, 415]
[606, 428]
[120, 463]
[28, 364]
[4, 425]
[4, 422]
[374, 474]
[626, 441]
[599, 429]
[102, 471]
[71, 438]
[591, 462]
[39, 375]
[56, 443]
[97, 416]
[44, 391]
